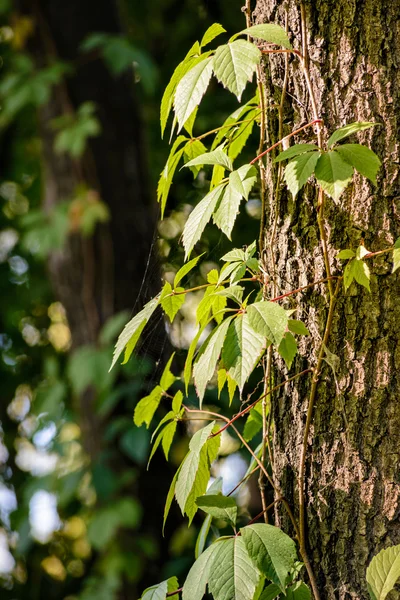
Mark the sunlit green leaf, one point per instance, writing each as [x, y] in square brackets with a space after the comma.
[199, 218]
[346, 254]
[195, 585]
[132, 331]
[202, 537]
[147, 406]
[171, 300]
[219, 507]
[193, 149]
[347, 130]
[362, 159]
[243, 179]
[356, 270]
[272, 551]
[288, 349]
[167, 378]
[383, 572]
[396, 256]
[295, 151]
[186, 269]
[212, 32]
[204, 367]
[227, 211]
[299, 170]
[242, 349]
[233, 575]
[333, 174]
[191, 89]
[235, 64]
[215, 157]
[269, 32]
[268, 319]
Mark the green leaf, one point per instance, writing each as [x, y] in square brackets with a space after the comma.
[347, 130]
[160, 591]
[195, 585]
[269, 32]
[177, 402]
[288, 349]
[171, 300]
[191, 89]
[383, 572]
[227, 211]
[271, 592]
[346, 254]
[253, 423]
[187, 373]
[333, 174]
[299, 170]
[147, 406]
[297, 327]
[242, 349]
[358, 270]
[234, 255]
[232, 385]
[240, 134]
[233, 575]
[221, 376]
[215, 157]
[167, 378]
[243, 180]
[168, 436]
[272, 551]
[166, 177]
[362, 159]
[170, 497]
[167, 100]
[219, 507]
[234, 271]
[132, 331]
[234, 65]
[189, 124]
[193, 149]
[202, 537]
[298, 591]
[204, 367]
[295, 151]
[199, 218]
[218, 173]
[268, 319]
[186, 269]
[396, 256]
[234, 292]
[212, 32]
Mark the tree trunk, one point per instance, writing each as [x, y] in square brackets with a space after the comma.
[352, 481]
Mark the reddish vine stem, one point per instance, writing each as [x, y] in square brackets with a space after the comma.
[314, 122]
[243, 480]
[174, 593]
[305, 287]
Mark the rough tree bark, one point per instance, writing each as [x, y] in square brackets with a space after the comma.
[353, 459]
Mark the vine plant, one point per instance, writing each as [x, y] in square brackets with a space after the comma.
[258, 562]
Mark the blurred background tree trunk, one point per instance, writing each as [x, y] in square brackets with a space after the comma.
[353, 461]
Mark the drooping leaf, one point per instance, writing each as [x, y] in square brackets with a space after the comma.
[268, 319]
[212, 32]
[177, 402]
[189, 124]
[204, 367]
[199, 218]
[347, 130]
[299, 170]
[191, 89]
[186, 269]
[253, 423]
[160, 591]
[362, 159]
[243, 179]
[219, 507]
[233, 575]
[273, 552]
[242, 349]
[232, 385]
[195, 585]
[170, 497]
[297, 327]
[215, 157]
[235, 64]
[239, 135]
[269, 32]
[227, 211]
[187, 373]
[166, 177]
[383, 572]
[193, 149]
[333, 174]
[168, 436]
[288, 349]
[171, 300]
[202, 537]
[147, 406]
[167, 378]
[168, 97]
[132, 331]
[358, 270]
[295, 151]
